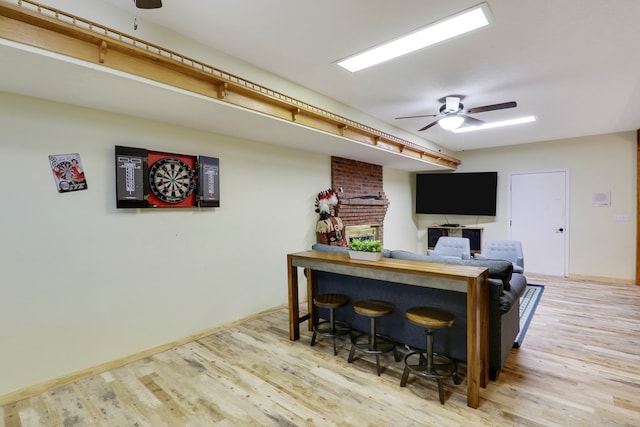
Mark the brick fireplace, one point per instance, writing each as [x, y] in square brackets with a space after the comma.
[360, 192]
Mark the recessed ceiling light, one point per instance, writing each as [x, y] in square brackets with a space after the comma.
[448, 28]
[527, 119]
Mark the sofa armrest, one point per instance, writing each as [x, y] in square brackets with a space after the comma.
[518, 266]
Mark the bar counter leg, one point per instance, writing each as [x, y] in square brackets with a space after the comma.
[474, 345]
[294, 309]
[312, 292]
[484, 329]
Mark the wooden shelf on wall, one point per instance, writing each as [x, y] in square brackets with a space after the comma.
[37, 25]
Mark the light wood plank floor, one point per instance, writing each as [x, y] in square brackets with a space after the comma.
[579, 366]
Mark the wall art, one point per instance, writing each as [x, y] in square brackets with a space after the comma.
[68, 172]
[154, 179]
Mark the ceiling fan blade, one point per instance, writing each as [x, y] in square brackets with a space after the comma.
[493, 107]
[148, 4]
[416, 117]
[428, 126]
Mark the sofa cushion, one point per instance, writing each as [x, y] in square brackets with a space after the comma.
[330, 248]
[412, 256]
[497, 269]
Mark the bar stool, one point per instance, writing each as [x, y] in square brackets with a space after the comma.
[373, 343]
[331, 328]
[430, 364]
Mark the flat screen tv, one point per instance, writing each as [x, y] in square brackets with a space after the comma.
[470, 193]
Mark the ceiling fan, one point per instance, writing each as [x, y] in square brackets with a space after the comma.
[148, 4]
[452, 114]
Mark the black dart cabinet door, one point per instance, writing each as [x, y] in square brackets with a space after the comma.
[209, 182]
[132, 177]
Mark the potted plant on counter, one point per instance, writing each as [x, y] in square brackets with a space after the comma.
[369, 250]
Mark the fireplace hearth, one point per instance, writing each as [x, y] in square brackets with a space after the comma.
[362, 232]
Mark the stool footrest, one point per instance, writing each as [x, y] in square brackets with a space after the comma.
[383, 344]
[442, 367]
[324, 328]
[366, 344]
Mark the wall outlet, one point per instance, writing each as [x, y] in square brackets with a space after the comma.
[621, 217]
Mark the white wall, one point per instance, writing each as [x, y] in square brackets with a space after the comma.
[84, 283]
[399, 224]
[599, 247]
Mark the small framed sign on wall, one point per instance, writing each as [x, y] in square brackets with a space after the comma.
[601, 199]
[154, 179]
[68, 172]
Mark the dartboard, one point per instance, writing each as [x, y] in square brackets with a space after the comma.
[64, 170]
[171, 180]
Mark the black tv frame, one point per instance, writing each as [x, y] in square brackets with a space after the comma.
[457, 193]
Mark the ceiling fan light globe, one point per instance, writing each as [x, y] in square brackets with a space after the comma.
[450, 123]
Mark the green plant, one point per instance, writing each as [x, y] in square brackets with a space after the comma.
[365, 245]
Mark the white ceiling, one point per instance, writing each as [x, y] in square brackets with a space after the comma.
[574, 64]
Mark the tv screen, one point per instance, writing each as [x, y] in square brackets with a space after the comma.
[470, 193]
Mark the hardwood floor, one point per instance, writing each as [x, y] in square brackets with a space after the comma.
[579, 365]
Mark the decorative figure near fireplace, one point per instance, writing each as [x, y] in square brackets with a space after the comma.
[329, 228]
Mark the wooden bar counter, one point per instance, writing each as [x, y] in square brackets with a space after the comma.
[466, 279]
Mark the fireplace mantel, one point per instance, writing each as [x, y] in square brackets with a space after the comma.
[358, 201]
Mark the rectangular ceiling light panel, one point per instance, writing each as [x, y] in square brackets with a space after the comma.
[511, 122]
[458, 24]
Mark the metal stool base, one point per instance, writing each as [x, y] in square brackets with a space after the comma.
[441, 368]
[381, 344]
[325, 329]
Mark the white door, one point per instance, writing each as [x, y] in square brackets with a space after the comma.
[538, 207]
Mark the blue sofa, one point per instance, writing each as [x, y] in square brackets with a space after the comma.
[506, 287]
